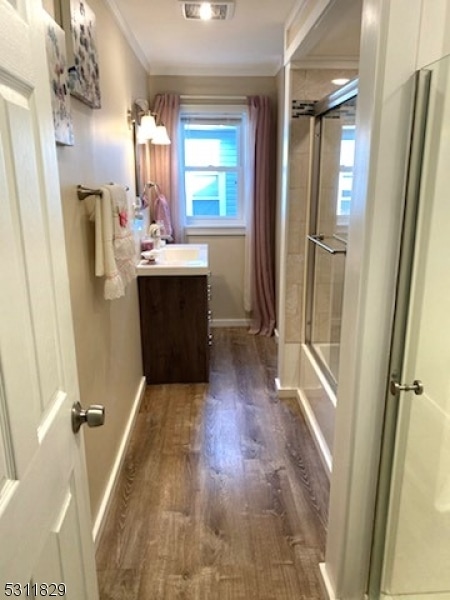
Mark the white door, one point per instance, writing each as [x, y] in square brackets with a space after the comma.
[417, 551]
[45, 529]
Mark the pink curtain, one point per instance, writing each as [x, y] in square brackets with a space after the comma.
[164, 159]
[263, 203]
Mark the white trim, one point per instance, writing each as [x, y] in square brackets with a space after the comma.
[230, 323]
[295, 12]
[217, 112]
[128, 34]
[282, 221]
[309, 29]
[242, 70]
[320, 375]
[115, 471]
[326, 62]
[319, 440]
[215, 98]
[223, 231]
[284, 392]
[316, 432]
[327, 588]
[383, 124]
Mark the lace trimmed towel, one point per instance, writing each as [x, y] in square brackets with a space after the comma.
[114, 241]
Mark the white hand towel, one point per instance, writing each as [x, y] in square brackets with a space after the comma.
[114, 242]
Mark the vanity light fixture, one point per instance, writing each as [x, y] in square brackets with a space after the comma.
[161, 137]
[145, 124]
[147, 127]
[141, 118]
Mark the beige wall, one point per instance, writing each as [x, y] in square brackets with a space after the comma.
[226, 258]
[226, 252]
[106, 332]
[216, 86]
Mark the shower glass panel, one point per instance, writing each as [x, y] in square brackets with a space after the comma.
[329, 217]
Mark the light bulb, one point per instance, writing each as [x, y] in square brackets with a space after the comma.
[205, 11]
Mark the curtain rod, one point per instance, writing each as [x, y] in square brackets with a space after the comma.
[202, 97]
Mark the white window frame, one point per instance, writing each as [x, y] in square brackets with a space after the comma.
[219, 225]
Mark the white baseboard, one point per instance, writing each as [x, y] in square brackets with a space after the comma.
[327, 589]
[113, 476]
[284, 392]
[319, 440]
[317, 435]
[230, 323]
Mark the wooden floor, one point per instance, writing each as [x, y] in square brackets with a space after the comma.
[222, 494]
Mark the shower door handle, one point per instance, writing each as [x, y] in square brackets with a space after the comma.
[416, 387]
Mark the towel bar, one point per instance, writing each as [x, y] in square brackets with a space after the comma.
[318, 240]
[83, 191]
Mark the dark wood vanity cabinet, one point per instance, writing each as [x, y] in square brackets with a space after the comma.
[174, 328]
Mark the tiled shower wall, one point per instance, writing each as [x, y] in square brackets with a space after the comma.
[306, 85]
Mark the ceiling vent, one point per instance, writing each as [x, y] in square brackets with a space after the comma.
[219, 11]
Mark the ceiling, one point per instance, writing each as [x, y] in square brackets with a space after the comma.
[250, 43]
[334, 40]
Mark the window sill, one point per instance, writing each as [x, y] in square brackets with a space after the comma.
[222, 231]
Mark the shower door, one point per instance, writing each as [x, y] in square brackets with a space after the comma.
[411, 557]
[332, 178]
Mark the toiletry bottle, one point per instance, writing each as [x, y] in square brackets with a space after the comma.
[146, 243]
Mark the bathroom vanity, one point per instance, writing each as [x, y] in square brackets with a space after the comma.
[174, 314]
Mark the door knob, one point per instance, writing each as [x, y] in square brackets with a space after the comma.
[416, 387]
[94, 416]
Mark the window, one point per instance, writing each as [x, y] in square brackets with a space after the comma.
[213, 166]
[347, 158]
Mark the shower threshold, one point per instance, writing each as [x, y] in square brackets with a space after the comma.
[317, 399]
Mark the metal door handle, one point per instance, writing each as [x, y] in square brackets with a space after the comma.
[94, 416]
[416, 387]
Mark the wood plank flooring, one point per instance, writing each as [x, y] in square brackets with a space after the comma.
[222, 495]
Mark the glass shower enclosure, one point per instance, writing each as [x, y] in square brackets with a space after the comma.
[331, 194]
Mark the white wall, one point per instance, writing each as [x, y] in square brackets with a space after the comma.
[398, 37]
[417, 549]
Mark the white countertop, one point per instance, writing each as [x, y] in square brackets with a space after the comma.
[177, 259]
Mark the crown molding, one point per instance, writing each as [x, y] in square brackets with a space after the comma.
[326, 62]
[129, 35]
[194, 70]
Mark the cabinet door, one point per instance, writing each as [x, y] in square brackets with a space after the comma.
[174, 328]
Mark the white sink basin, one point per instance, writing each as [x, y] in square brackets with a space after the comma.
[177, 259]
